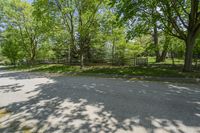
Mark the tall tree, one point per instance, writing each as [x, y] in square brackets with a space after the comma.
[142, 18]
[64, 11]
[184, 17]
[11, 46]
[19, 15]
[178, 18]
[79, 19]
[86, 11]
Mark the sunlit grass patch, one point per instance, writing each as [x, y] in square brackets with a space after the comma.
[26, 129]
[4, 112]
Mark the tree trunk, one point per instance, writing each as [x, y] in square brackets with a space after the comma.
[165, 49]
[155, 41]
[81, 60]
[32, 60]
[113, 53]
[163, 56]
[33, 51]
[190, 42]
[172, 56]
[89, 56]
[13, 62]
[69, 55]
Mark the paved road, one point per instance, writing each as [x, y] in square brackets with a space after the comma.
[42, 103]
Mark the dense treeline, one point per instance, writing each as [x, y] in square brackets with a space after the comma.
[99, 31]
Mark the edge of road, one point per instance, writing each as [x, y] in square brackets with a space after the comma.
[128, 77]
[145, 78]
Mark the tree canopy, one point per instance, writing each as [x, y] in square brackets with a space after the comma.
[99, 31]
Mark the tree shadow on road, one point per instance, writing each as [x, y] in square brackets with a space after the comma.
[10, 88]
[88, 104]
[20, 75]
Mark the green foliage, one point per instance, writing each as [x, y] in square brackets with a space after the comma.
[28, 31]
[45, 52]
[11, 46]
[134, 50]
[92, 31]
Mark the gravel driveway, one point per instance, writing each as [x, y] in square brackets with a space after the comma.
[41, 103]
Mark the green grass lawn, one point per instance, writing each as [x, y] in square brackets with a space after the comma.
[52, 68]
[152, 60]
[151, 70]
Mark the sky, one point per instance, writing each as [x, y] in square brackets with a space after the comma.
[30, 1]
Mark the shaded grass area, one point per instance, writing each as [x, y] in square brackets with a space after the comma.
[154, 71]
[151, 70]
[53, 68]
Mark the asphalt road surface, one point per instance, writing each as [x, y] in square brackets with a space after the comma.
[41, 103]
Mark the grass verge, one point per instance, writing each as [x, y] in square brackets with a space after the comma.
[152, 70]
